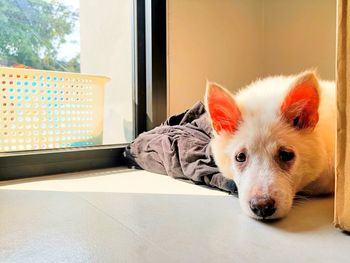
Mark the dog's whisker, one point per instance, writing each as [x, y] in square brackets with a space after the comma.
[301, 197]
[298, 202]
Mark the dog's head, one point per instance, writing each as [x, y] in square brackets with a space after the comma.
[264, 139]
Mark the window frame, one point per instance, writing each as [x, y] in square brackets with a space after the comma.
[149, 105]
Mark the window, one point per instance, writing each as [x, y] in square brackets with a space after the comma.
[43, 110]
[104, 38]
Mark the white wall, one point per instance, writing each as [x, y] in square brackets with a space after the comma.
[233, 42]
[106, 49]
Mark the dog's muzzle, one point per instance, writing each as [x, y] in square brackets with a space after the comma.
[262, 206]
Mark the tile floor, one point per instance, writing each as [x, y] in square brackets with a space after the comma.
[119, 215]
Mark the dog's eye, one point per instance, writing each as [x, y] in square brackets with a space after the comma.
[241, 157]
[285, 156]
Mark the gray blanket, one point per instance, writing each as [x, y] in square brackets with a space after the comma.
[180, 148]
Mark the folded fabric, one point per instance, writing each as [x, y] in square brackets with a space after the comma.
[180, 148]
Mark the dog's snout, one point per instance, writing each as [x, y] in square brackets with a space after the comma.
[262, 206]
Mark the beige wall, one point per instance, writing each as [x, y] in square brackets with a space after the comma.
[234, 42]
[215, 40]
[299, 35]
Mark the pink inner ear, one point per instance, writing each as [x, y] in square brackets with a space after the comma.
[300, 107]
[223, 110]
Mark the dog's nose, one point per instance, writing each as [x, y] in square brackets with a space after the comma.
[262, 206]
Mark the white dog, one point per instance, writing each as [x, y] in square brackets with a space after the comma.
[275, 138]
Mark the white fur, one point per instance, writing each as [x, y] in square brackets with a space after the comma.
[262, 132]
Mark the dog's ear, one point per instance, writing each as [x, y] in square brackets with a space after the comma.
[300, 106]
[222, 108]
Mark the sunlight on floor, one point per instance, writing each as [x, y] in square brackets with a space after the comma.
[110, 180]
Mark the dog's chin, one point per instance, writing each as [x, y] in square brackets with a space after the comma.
[268, 218]
[278, 215]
